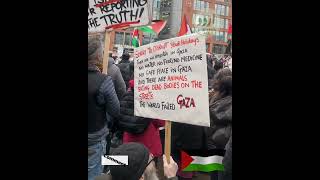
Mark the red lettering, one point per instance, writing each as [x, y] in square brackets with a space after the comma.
[146, 96]
[186, 102]
[140, 53]
[192, 103]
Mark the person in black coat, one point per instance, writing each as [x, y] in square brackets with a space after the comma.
[211, 71]
[220, 108]
[124, 68]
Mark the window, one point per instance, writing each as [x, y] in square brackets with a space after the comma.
[206, 6]
[119, 38]
[220, 36]
[127, 39]
[221, 10]
[218, 49]
[220, 23]
[201, 5]
[156, 15]
[198, 5]
[226, 25]
[156, 3]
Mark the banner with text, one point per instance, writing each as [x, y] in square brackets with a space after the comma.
[171, 80]
[114, 14]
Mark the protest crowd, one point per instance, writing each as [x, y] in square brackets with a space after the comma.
[113, 129]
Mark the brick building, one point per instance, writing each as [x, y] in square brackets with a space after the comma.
[210, 17]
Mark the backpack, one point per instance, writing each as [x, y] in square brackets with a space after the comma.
[127, 121]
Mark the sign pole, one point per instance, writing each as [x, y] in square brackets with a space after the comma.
[106, 53]
[167, 140]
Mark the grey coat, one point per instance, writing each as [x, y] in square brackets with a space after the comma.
[117, 79]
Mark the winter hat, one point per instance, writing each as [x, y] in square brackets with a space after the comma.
[138, 157]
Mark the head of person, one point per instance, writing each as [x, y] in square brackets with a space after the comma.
[95, 50]
[222, 82]
[141, 165]
[125, 56]
[225, 86]
[218, 65]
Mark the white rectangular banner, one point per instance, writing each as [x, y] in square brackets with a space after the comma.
[171, 81]
[106, 15]
[107, 160]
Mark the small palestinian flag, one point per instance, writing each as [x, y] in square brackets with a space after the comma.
[202, 161]
[135, 38]
[230, 31]
[184, 28]
[155, 27]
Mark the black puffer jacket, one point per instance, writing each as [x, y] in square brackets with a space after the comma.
[186, 137]
[124, 67]
[220, 123]
[127, 121]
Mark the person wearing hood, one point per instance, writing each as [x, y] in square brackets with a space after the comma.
[117, 78]
[124, 68]
[220, 108]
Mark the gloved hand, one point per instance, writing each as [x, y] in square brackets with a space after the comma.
[170, 170]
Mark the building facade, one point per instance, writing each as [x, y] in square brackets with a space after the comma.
[210, 17]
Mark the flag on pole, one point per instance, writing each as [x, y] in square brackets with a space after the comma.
[199, 161]
[155, 27]
[135, 38]
[230, 31]
[185, 28]
[229, 47]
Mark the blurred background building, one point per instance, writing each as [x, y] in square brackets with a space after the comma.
[211, 17]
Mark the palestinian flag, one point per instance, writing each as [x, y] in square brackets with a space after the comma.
[135, 38]
[155, 27]
[184, 28]
[230, 31]
[202, 161]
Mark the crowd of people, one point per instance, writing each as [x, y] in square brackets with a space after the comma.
[113, 128]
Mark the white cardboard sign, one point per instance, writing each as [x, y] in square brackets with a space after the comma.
[106, 15]
[171, 80]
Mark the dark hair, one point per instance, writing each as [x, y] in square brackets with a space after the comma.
[218, 65]
[125, 56]
[225, 86]
[222, 73]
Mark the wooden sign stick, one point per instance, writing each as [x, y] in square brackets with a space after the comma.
[106, 53]
[167, 141]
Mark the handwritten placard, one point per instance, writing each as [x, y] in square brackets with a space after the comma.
[106, 15]
[171, 80]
